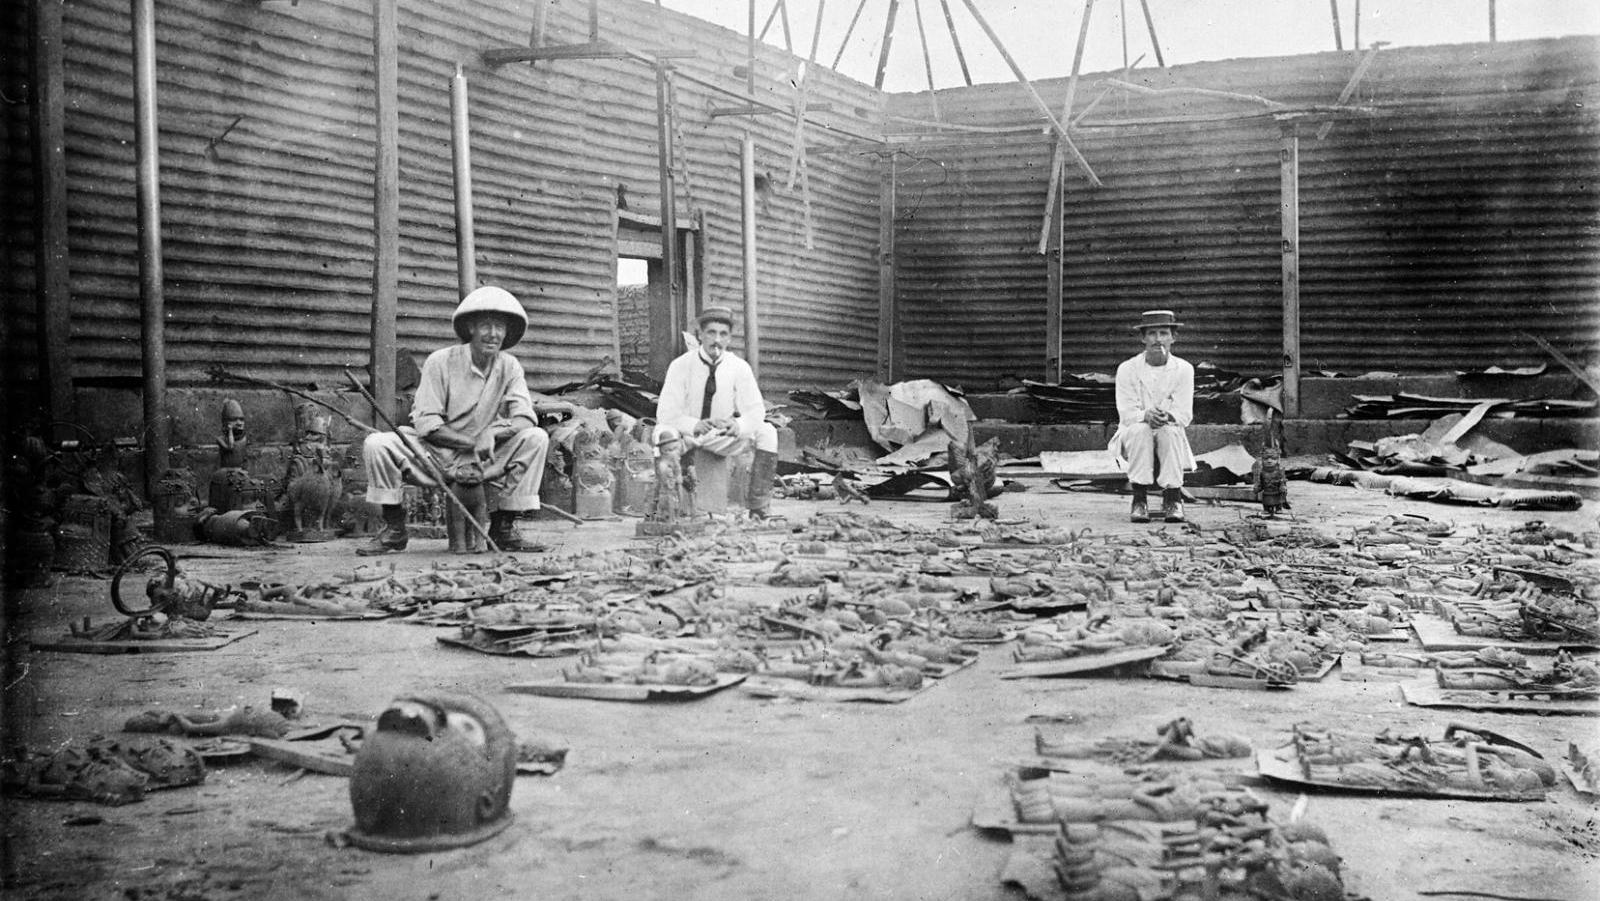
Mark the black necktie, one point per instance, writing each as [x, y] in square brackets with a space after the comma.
[711, 388]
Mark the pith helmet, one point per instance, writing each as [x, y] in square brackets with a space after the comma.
[1158, 319]
[490, 299]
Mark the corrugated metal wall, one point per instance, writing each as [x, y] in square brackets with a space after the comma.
[266, 131]
[1466, 208]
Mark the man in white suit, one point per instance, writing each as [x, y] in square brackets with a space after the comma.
[1155, 403]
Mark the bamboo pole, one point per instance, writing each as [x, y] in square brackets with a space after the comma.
[52, 281]
[152, 300]
[461, 144]
[386, 202]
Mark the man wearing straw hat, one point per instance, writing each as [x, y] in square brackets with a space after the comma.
[1155, 403]
[471, 406]
[711, 399]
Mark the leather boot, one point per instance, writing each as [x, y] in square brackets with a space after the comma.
[1141, 505]
[392, 537]
[763, 472]
[1172, 504]
[503, 532]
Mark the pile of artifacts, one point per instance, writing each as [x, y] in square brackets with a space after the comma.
[854, 601]
[1131, 819]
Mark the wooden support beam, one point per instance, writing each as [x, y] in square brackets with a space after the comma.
[52, 278]
[591, 50]
[849, 30]
[385, 206]
[927, 58]
[152, 298]
[1492, 36]
[1055, 301]
[1057, 161]
[461, 157]
[1338, 32]
[719, 112]
[1350, 86]
[816, 30]
[1150, 25]
[1033, 93]
[888, 332]
[955, 39]
[1289, 216]
[1201, 92]
[747, 221]
[677, 317]
[888, 39]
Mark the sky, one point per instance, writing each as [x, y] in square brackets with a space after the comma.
[1041, 35]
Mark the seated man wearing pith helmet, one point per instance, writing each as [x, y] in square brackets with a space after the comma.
[472, 406]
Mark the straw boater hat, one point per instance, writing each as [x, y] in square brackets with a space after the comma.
[723, 315]
[490, 299]
[1157, 319]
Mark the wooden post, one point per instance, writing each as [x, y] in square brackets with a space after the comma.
[1289, 214]
[675, 318]
[1054, 313]
[152, 299]
[1491, 22]
[888, 38]
[52, 279]
[888, 334]
[747, 191]
[1338, 33]
[1355, 27]
[461, 144]
[385, 203]
[816, 31]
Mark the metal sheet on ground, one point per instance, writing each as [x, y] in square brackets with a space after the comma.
[1084, 664]
[1270, 766]
[72, 645]
[1428, 693]
[1438, 634]
[612, 691]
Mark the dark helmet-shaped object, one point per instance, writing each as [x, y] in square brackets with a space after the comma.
[435, 773]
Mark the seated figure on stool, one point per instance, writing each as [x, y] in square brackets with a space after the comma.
[710, 398]
[472, 407]
[1155, 403]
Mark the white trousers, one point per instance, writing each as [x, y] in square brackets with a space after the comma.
[521, 456]
[1143, 446]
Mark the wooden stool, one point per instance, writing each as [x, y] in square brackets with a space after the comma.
[721, 481]
[464, 539]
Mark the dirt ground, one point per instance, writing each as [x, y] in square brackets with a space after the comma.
[726, 797]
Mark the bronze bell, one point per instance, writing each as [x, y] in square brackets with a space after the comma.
[435, 773]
